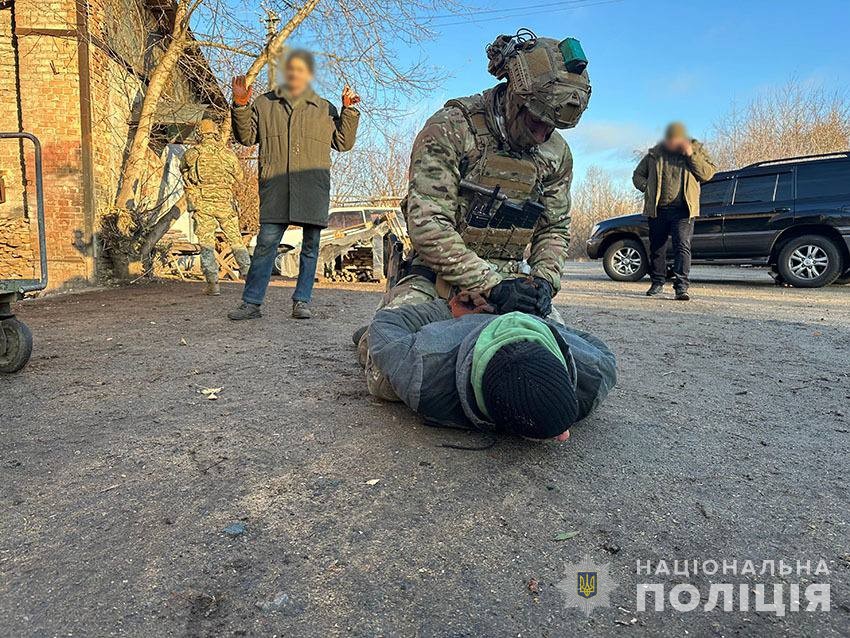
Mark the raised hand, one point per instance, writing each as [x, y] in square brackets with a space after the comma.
[349, 97]
[241, 91]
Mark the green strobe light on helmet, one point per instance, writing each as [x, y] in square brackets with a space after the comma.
[549, 76]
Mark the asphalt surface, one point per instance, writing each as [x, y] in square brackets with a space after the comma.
[727, 438]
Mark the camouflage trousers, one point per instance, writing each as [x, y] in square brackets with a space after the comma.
[412, 289]
[208, 219]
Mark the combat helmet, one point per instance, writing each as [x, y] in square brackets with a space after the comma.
[549, 77]
[207, 127]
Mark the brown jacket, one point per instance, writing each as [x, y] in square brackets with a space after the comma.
[295, 153]
[699, 169]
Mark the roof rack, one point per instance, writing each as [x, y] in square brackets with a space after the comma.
[801, 158]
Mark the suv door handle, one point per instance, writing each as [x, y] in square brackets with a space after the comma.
[782, 209]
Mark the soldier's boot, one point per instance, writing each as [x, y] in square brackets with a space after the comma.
[301, 310]
[210, 270]
[245, 310]
[243, 259]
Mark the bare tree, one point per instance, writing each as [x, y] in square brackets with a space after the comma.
[799, 118]
[360, 40]
[597, 197]
[374, 172]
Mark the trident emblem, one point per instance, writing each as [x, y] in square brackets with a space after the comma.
[587, 584]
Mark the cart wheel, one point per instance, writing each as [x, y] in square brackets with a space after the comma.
[18, 345]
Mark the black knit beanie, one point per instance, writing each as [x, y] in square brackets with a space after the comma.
[528, 392]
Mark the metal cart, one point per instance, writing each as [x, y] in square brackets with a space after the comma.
[15, 336]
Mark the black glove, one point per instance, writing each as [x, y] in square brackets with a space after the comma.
[512, 295]
[545, 292]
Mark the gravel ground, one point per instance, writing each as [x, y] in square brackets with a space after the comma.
[727, 437]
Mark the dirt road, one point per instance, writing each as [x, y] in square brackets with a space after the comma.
[728, 437]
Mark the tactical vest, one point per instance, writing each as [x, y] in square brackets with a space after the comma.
[211, 174]
[518, 176]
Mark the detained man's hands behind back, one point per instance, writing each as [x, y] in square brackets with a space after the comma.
[469, 303]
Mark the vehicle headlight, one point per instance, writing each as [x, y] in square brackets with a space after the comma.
[594, 230]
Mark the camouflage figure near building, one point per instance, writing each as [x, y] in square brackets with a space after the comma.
[210, 172]
[489, 199]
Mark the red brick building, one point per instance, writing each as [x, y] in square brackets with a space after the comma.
[73, 73]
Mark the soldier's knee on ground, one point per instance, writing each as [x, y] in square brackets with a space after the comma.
[412, 289]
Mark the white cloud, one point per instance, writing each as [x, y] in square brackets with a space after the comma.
[610, 140]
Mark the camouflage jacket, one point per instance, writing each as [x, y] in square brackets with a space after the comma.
[465, 140]
[210, 171]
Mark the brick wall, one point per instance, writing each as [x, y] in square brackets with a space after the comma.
[49, 69]
[49, 107]
[16, 254]
[17, 257]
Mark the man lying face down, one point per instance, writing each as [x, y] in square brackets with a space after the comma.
[457, 365]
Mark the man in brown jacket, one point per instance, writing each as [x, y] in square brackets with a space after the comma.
[296, 130]
[669, 176]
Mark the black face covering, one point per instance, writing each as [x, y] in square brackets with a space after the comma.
[519, 137]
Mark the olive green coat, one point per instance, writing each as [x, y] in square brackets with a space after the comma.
[295, 153]
[699, 169]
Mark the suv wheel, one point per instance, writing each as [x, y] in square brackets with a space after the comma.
[810, 261]
[625, 260]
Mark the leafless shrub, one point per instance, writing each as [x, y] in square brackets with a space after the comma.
[596, 197]
[374, 172]
[799, 118]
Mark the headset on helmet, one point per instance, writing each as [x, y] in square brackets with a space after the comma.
[550, 76]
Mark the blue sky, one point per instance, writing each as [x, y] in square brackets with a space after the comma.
[652, 61]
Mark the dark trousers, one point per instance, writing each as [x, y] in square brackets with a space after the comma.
[675, 223]
[262, 263]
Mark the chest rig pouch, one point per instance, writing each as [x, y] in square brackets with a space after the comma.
[211, 175]
[499, 194]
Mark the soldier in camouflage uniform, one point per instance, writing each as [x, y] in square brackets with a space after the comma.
[504, 138]
[210, 171]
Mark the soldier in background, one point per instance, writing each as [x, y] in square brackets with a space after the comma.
[477, 152]
[210, 171]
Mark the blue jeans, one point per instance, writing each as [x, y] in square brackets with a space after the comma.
[262, 263]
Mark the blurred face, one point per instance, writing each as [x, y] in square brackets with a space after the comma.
[675, 136]
[673, 142]
[297, 76]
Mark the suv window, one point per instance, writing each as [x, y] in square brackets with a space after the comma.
[784, 187]
[715, 193]
[759, 188]
[345, 219]
[823, 179]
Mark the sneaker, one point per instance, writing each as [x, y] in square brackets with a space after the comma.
[301, 310]
[245, 310]
[682, 295]
[655, 289]
[212, 289]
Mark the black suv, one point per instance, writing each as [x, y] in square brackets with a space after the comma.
[791, 214]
